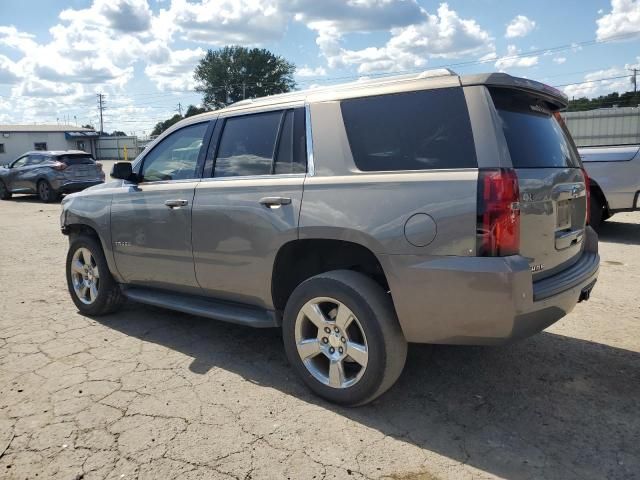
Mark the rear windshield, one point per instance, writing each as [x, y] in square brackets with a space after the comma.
[422, 130]
[76, 159]
[534, 136]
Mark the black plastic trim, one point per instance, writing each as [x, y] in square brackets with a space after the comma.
[581, 271]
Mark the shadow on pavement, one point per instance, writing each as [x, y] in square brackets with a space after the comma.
[620, 232]
[551, 406]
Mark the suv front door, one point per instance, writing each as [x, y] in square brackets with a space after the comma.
[250, 206]
[151, 220]
[13, 180]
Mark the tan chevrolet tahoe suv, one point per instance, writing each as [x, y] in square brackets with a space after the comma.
[427, 208]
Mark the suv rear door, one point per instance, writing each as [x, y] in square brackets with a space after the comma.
[249, 207]
[553, 195]
[151, 220]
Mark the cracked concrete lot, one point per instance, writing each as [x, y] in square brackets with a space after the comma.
[152, 394]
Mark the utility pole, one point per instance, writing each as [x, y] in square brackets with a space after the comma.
[244, 89]
[634, 79]
[180, 108]
[101, 107]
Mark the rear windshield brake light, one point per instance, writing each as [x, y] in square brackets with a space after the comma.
[498, 224]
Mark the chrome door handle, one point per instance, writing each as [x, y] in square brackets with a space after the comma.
[274, 202]
[176, 203]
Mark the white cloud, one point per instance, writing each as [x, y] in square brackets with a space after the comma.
[122, 15]
[9, 71]
[623, 19]
[306, 71]
[177, 72]
[223, 22]
[440, 35]
[355, 15]
[602, 82]
[520, 26]
[512, 60]
[559, 60]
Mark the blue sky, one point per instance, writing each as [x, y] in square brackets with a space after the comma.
[55, 56]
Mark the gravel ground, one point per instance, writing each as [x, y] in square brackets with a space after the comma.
[147, 393]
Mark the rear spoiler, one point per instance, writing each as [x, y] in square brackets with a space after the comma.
[551, 94]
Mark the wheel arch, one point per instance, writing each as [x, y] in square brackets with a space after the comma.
[304, 258]
[597, 192]
[74, 228]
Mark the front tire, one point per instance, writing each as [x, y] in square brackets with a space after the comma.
[46, 193]
[92, 288]
[5, 194]
[342, 336]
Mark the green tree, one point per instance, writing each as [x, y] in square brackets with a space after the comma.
[233, 73]
[162, 126]
[88, 126]
[627, 99]
[194, 110]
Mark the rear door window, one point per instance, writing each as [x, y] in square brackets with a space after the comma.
[76, 159]
[421, 130]
[534, 136]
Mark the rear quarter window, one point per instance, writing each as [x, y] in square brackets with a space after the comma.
[423, 130]
[534, 137]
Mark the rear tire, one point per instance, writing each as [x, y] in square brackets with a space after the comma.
[91, 286]
[46, 193]
[5, 194]
[597, 213]
[335, 299]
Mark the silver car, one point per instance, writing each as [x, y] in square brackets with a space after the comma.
[615, 180]
[428, 208]
[50, 174]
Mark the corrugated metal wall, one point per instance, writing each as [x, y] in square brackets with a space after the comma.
[112, 148]
[605, 126]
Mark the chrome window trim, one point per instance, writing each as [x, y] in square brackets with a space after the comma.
[266, 176]
[309, 136]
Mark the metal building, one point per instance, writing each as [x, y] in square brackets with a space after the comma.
[17, 139]
[605, 126]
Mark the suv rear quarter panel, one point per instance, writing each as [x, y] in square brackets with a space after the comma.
[372, 208]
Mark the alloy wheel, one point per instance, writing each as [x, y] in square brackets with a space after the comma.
[85, 276]
[44, 191]
[331, 342]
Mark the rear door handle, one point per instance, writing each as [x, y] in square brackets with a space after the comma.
[176, 203]
[273, 202]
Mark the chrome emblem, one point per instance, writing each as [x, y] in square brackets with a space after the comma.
[537, 268]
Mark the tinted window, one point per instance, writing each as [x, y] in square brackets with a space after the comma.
[410, 131]
[247, 145]
[534, 136]
[175, 157]
[76, 159]
[34, 160]
[292, 152]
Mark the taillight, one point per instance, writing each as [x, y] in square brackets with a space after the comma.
[498, 228]
[99, 166]
[59, 166]
[587, 185]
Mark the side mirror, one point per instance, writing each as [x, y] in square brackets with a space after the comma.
[123, 171]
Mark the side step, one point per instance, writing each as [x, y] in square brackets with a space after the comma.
[204, 307]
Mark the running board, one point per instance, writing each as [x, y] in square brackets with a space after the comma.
[204, 307]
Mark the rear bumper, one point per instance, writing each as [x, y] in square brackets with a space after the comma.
[484, 301]
[70, 187]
